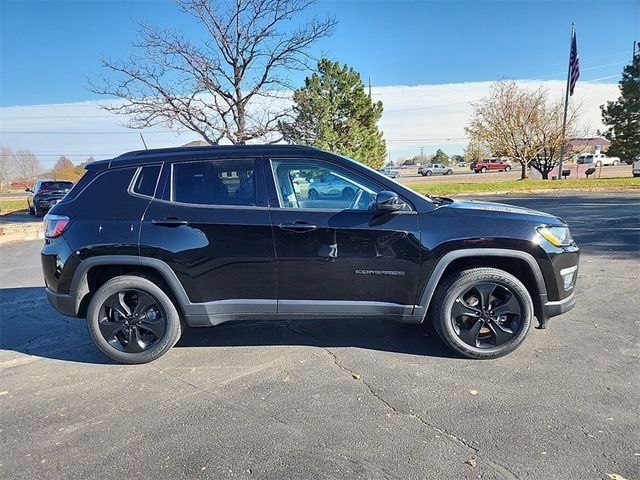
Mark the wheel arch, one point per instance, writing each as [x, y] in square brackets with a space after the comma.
[94, 272]
[520, 264]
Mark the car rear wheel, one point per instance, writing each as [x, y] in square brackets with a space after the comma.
[31, 210]
[449, 172]
[428, 173]
[36, 211]
[507, 168]
[598, 164]
[483, 170]
[132, 320]
[482, 313]
[615, 163]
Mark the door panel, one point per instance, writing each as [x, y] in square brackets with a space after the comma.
[218, 252]
[339, 250]
[354, 256]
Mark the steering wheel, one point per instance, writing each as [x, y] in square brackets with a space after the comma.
[361, 201]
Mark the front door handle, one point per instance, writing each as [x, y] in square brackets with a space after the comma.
[298, 227]
[169, 221]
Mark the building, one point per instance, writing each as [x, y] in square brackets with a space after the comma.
[582, 146]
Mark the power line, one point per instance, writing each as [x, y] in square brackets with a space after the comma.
[35, 132]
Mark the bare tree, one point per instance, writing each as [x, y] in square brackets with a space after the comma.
[229, 87]
[475, 151]
[517, 123]
[27, 164]
[548, 134]
[7, 166]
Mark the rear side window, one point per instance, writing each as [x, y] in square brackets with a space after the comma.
[215, 182]
[145, 183]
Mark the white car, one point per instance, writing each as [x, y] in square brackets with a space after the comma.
[598, 160]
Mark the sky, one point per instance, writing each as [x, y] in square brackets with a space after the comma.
[435, 56]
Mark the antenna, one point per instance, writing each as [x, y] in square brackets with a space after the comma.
[143, 142]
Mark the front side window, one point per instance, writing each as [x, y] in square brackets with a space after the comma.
[215, 182]
[313, 184]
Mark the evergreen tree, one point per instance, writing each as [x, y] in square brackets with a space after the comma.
[623, 115]
[440, 157]
[333, 112]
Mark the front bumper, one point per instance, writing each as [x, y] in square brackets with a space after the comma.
[555, 308]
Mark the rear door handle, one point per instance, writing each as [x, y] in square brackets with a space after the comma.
[298, 227]
[170, 222]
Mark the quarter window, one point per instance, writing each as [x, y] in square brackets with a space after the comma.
[215, 182]
[312, 184]
[146, 180]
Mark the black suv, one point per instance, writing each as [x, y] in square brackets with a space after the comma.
[45, 194]
[153, 240]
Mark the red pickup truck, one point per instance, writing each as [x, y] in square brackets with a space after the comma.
[482, 166]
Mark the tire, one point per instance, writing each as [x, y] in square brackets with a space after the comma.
[164, 332]
[449, 172]
[31, 209]
[491, 340]
[615, 163]
[348, 194]
[428, 173]
[507, 168]
[598, 164]
[483, 170]
[313, 195]
[36, 211]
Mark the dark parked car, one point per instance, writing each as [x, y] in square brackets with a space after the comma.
[45, 194]
[154, 240]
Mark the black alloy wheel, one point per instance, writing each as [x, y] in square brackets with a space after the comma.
[132, 321]
[486, 315]
[482, 312]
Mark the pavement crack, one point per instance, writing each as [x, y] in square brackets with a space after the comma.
[458, 441]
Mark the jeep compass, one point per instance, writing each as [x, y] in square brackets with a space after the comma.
[153, 241]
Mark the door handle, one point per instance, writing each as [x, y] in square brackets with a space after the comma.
[169, 222]
[298, 227]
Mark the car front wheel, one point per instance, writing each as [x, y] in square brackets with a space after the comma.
[482, 313]
[428, 173]
[507, 168]
[132, 320]
[483, 170]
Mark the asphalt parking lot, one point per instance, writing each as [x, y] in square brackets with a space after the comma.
[329, 399]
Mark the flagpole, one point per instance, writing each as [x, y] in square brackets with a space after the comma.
[566, 104]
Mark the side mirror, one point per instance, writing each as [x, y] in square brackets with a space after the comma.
[27, 189]
[387, 201]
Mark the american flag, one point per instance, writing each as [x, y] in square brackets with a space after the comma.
[574, 65]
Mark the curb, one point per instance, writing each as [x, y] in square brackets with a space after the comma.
[20, 232]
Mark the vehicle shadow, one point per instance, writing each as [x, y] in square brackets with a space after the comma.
[29, 325]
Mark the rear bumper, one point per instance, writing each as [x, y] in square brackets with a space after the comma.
[62, 302]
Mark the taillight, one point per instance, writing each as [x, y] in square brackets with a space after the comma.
[54, 225]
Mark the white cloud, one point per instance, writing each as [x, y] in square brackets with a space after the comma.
[429, 116]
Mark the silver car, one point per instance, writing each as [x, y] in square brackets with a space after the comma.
[435, 169]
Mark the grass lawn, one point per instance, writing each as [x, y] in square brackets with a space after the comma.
[12, 205]
[436, 189]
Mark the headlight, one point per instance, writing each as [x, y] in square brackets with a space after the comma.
[558, 236]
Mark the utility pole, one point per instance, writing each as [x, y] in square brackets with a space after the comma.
[370, 87]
